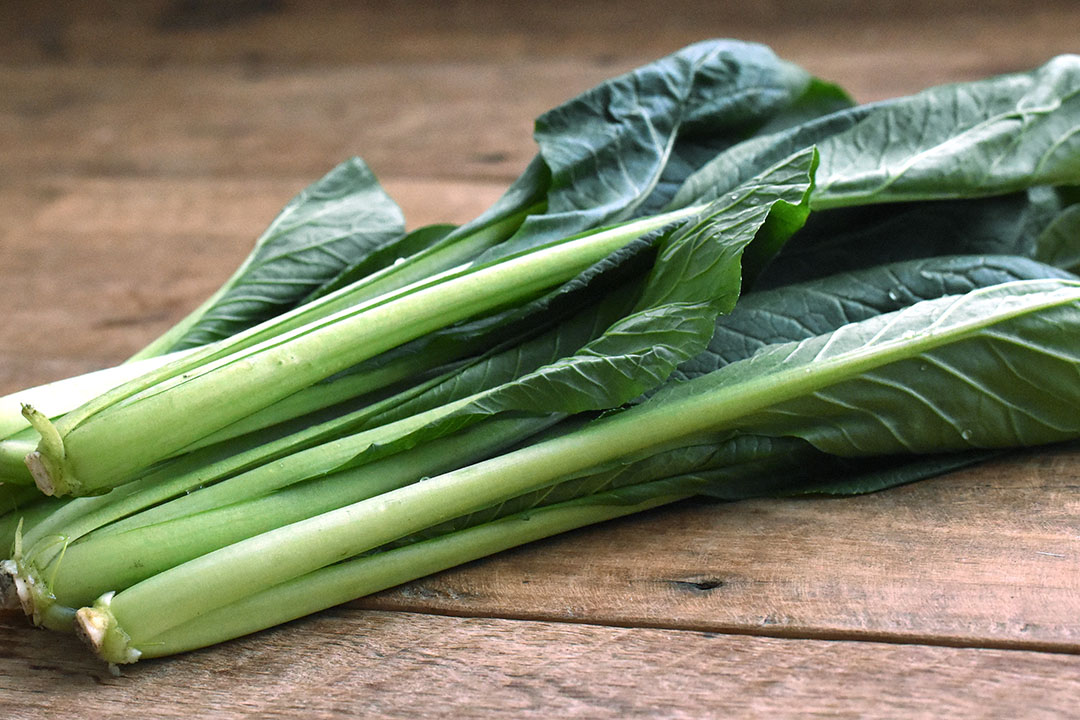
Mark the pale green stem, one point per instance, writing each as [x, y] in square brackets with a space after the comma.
[111, 447]
[700, 405]
[56, 398]
[345, 581]
[434, 260]
[13, 452]
[114, 560]
[200, 469]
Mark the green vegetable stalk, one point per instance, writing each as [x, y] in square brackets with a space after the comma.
[649, 314]
[86, 451]
[784, 389]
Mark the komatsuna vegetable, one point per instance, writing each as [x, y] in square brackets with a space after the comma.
[941, 353]
[670, 322]
[116, 554]
[81, 452]
[602, 156]
[665, 207]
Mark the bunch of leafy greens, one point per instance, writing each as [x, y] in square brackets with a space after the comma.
[718, 278]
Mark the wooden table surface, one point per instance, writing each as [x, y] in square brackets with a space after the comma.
[143, 146]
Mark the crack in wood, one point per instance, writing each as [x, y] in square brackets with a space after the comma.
[702, 584]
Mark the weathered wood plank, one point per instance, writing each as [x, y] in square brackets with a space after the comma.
[348, 663]
[258, 33]
[233, 210]
[462, 119]
[436, 120]
[989, 556]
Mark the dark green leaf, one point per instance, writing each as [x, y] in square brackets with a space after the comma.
[741, 162]
[609, 149]
[996, 367]
[1059, 243]
[343, 216]
[867, 475]
[803, 310]
[850, 239]
[987, 137]
[705, 257]
[753, 466]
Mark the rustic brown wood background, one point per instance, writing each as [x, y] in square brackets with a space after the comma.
[143, 146]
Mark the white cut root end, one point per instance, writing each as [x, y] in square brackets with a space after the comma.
[15, 590]
[97, 627]
[9, 586]
[90, 627]
[47, 462]
[36, 464]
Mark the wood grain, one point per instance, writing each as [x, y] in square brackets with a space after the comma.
[429, 120]
[920, 34]
[402, 100]
[348, 663]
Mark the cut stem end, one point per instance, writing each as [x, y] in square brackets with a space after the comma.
[47, 463]
[10, 595]
[38, 470]
[97, 627]
[20, 586]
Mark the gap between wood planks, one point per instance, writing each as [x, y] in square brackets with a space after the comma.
[341, 663]
[778, 633]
